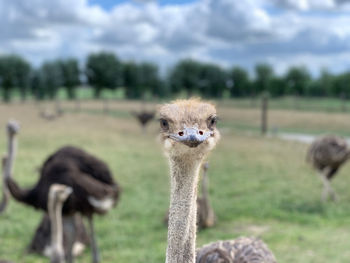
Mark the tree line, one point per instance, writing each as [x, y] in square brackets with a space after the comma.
[105, 71]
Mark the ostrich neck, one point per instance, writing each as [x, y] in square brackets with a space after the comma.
[183, 210]
[11, 151]
[55, 214]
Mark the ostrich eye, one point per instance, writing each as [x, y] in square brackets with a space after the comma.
[212, 122]
[164, 124]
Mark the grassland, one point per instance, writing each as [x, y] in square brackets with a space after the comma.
[259, 186]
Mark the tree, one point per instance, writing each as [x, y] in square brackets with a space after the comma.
[297, 80]
[104, 71]
[14, 73]
[240, 82]
[149, 79]
[70, 71]
[185, 76]
[342, 85]
[212, 80]
[264, 75]
[37, 84]
[51, 77]
[132, 80]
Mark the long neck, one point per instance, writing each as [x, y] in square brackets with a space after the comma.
[183, 211]
[55, 214]
[5, 191]
[11, 151]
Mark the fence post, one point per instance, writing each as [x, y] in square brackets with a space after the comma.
[264, 108]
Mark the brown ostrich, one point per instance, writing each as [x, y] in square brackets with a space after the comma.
[94, 190]
[327, 154]
[188, 133]
[144, 117]
[58, 194]
[205, 213]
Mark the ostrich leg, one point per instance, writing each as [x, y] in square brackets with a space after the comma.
[327, 188]
[95, 252]
[70, 230]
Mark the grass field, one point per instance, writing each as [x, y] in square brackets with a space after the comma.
[259, 186]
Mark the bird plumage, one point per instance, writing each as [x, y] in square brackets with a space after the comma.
[240, 250]
[87, 175]
[328, 152]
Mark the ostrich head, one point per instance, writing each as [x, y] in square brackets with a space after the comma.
[12, 128]
[60, 192]
[188, 128]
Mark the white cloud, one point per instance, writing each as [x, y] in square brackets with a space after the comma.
[223, 31]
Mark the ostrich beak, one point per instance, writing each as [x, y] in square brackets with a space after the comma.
[191, 137]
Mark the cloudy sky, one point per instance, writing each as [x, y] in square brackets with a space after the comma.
[314, 33]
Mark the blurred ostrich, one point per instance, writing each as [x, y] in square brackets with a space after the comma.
[144, 117]
[327, 154]
[205, 213]
[188, 133]
[41, 242]
[94, 190]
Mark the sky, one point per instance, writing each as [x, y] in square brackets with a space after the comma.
[284, 33]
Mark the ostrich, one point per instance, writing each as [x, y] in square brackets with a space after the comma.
[94, 190]
[205, 213]
[144, 117]
[188, 133]
[327, 154]
[41, 241]
[58, 194]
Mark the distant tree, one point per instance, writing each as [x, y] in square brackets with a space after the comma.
[241, 84]
[70, 71]
[149, 78]
[104, 71]
[277, 87]
[14, 73]
[342, 85]
[263, 77]
[185, 76]
[161, 89]
[132, 80]
[51, 77]
[37, 84]
[212, 80]
[297, 80]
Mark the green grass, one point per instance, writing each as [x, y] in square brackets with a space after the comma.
[259, 186]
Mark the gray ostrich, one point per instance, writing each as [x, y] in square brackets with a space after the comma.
[327, 154]
[188, 134]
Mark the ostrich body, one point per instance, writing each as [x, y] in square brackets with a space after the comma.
[327, 154]
[205, 213]
[41, 241]
[58, 194]
[188, 133]
[94, 190]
